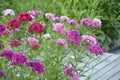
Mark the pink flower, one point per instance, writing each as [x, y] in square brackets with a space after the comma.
[62, 42]
[70, 71]
[54, 18]
[62, 18]
[95, 49]
[58, 27]
[14, 43]
[49, 15]
[33, 42]
[74, 36]
[89, 39]
[7, 32]
[34, 12]
[13, 24]
[97, 22]
[37, 66]
[19, 58]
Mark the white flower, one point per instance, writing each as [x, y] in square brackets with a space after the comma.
[47, 36]
[8, 12]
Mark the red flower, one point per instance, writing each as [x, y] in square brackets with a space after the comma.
[14, 43]
[13, 24]
[36, 27]
[24, 16]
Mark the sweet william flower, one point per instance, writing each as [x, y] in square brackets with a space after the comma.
[70, 71]
[2, 74]
[13, 24]
[74, 36]
[72, 21]
[8, 12]
[34, 12]
[89, 39]
[49, 15]
[33, 42]
[8, 53]
[19, 58]
[97, 22]
[87, 22]
[95, 49]
[58, 27]
[6, 32]
[62, 42]
[47, 36]
[24, 16]
[36, 27]
[37, 66]
[2, 29]
[14, 43]
[1, 45]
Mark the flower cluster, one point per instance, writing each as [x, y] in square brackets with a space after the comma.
[70, 71]
[1, 45]
[24, 16]
[13, 24]
[88, 22]
[14, 43]
[2, 74]
[8, 53]
[95, 49]
[62, 42]
[58, 27]
[33, 42]
[74, 36]
[89, 39]
[37, 66]
[36, 27]
[34, 12]
[19, 58]
[2, 29]
[8, 12]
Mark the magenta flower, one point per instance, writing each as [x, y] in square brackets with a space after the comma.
[58, 27]
[87, 22]
[1, 45]
[2, 74]
[34, 12]
[89, 39]
[7, 32]
[19, 58]
[74, 36]
[14, 43]
[8, 12]
[13, 24]
[37, 66]
[72, 21]
[33, 42]
[8, 53]
[97, 22]
[95, 49]
[70, 71]
[62, 42]
[2, 29]
[54, 18]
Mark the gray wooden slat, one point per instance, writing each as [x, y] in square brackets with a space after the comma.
[109, 73]
[96, 62]
[105, 69]
[115, 77]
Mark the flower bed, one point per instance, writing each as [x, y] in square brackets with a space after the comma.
[42, 46]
